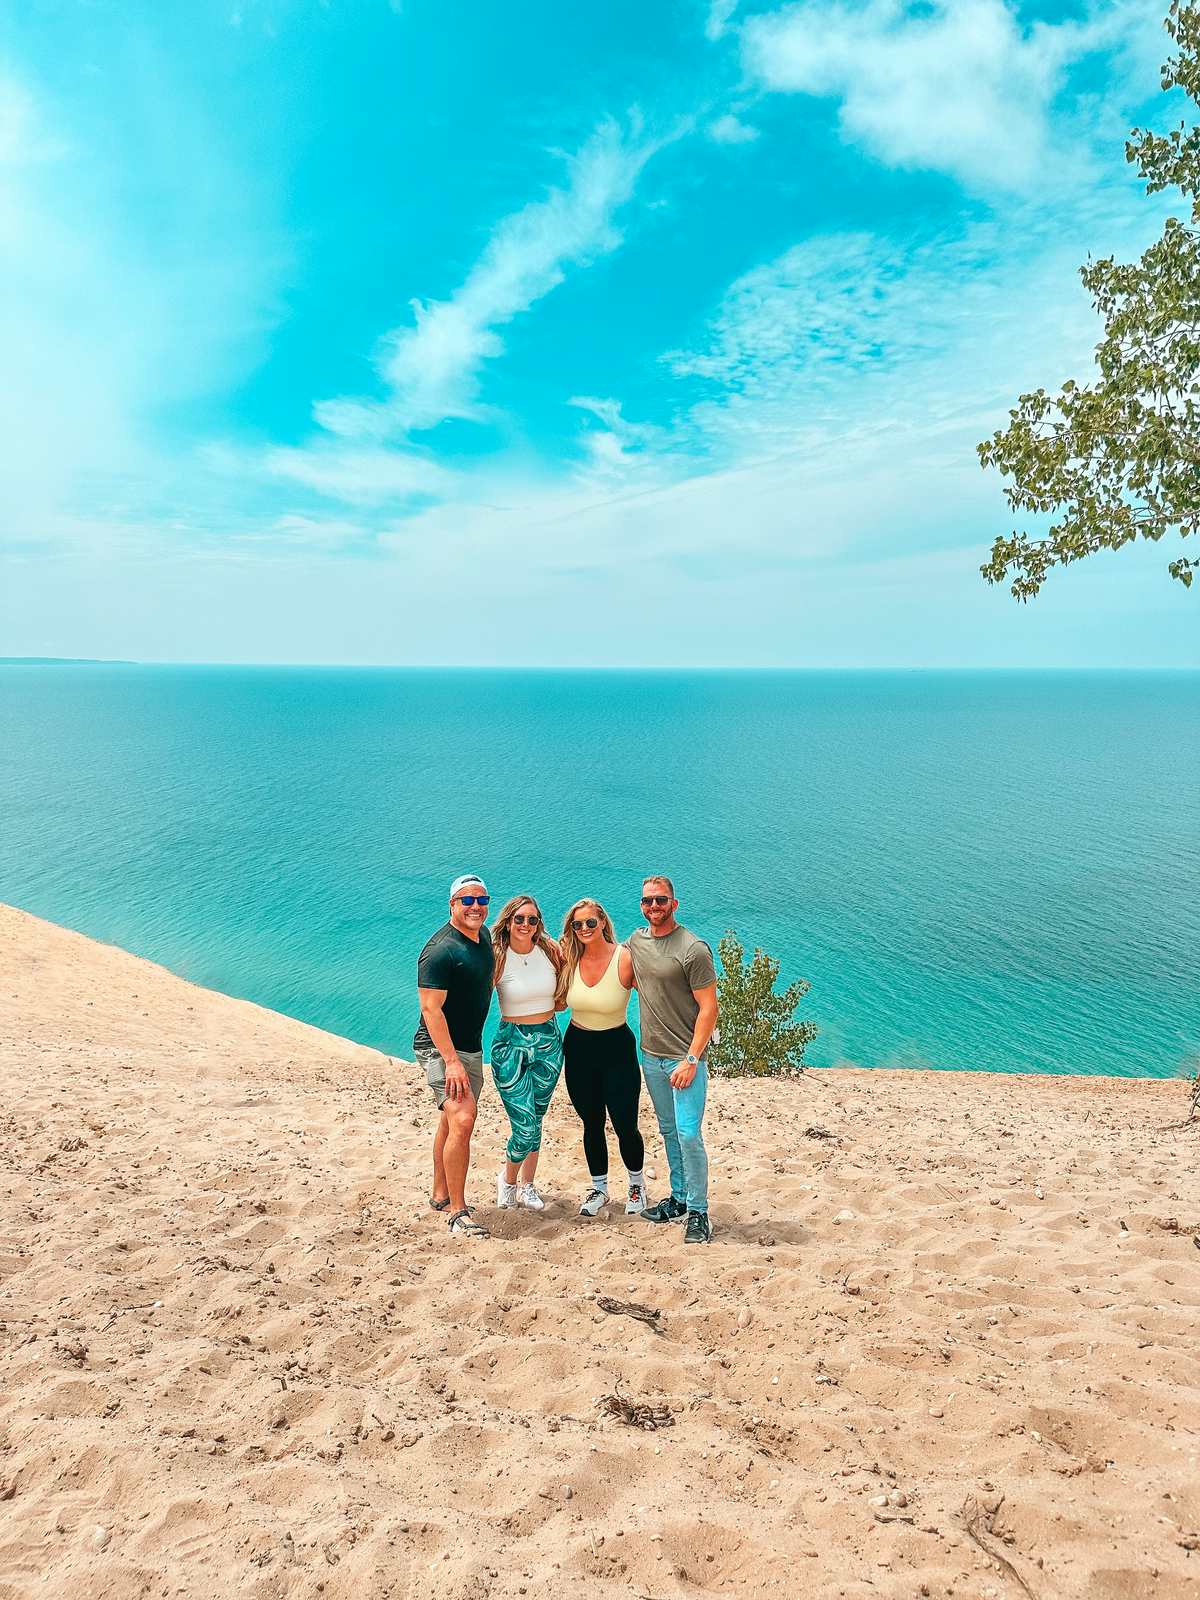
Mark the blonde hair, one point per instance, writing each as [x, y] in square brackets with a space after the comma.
[572, 946]
[500, 936]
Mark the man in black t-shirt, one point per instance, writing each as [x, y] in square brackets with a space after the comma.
[454, 985]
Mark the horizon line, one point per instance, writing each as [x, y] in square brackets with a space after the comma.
[552, 666]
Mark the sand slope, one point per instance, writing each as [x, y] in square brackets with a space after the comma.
[233, 1338]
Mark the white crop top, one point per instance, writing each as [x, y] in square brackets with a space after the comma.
[527, 984]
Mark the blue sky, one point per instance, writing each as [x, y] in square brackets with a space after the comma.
[463, 331]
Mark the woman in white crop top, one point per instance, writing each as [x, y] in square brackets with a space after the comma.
[603, 1077]
[527, 1054]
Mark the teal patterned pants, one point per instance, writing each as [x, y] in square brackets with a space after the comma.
[526, 1062]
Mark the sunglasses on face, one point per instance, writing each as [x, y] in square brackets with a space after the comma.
[585, 922]
[474, 899]
[521, 920]
[656, 899]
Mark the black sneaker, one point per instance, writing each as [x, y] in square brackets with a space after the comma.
[699, 1228]
[668, 1210]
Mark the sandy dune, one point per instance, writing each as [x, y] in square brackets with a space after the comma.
[239, 1356]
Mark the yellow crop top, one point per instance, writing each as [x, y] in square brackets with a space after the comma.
[601, 1005]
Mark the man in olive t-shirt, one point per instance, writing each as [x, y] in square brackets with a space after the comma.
[677, 997]
[454, 986]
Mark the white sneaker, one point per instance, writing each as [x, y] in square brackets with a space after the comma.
[593, 1203]
[527, 1195]
[506, 1193]
[636, 1203]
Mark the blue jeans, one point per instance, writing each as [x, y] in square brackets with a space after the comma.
[680, 1114]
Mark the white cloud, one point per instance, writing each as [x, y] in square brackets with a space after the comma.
[358, 475]
[621, 452]
[956, 86]
[716, 23]
[431, 369]
[848, 332]
[731, 130]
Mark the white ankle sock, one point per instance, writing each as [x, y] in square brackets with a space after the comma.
[637, 1180]
[599, 1183]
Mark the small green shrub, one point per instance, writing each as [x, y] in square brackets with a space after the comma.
[759, 1035]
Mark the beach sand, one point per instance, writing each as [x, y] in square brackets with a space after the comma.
[949, 1349]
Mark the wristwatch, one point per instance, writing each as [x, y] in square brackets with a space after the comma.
[692, 1061]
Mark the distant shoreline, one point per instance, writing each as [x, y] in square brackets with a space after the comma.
[63, 661]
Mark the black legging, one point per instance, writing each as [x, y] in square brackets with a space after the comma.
[604, 1079]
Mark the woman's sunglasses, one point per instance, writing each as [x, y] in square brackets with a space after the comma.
[474, 899]
[585, 922]
[656, 899]
[521, 920]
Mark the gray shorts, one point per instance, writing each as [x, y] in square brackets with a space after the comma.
[435, 1072]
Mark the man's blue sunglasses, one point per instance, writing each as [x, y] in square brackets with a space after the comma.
[474, 899]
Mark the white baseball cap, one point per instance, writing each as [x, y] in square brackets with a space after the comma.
[468, 878]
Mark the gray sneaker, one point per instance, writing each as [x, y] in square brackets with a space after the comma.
[594, 1203]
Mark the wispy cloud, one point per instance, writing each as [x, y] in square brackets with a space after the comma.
[716, 23]
[849, 333]
[361, 475]
[956, 86]
[619, 451]
[430, 369]
[729, 129]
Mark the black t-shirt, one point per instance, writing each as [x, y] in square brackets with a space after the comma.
[463, 968]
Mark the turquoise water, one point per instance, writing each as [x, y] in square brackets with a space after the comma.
[991, 870]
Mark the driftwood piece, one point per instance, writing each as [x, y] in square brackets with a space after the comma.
[636, 1414]
[973, 1518]
[650, 1315]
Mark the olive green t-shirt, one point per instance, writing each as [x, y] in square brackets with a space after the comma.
[666, 971]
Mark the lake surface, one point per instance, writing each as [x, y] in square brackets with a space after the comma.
[985, 870]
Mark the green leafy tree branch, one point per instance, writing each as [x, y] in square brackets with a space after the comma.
[1119, 459]
[759, 1035]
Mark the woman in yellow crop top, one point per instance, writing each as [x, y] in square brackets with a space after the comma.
[603, 1077]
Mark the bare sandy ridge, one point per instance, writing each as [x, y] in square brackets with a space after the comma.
[233, 1337]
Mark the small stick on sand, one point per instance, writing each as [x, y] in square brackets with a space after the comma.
[971, 1516]
[631, 1308]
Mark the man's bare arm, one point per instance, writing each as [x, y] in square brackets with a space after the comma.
[706, 1022]
[434, 1018]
